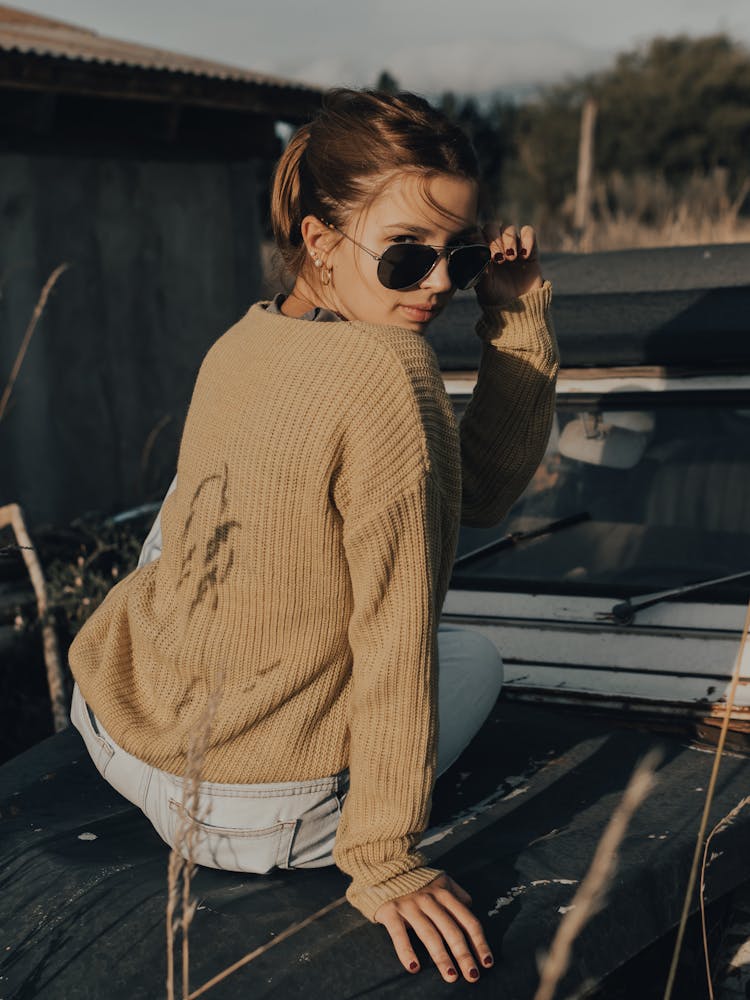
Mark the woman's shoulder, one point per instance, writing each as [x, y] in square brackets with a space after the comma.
[354, 350]
[355, 369]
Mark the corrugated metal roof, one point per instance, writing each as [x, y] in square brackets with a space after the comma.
[22, 31]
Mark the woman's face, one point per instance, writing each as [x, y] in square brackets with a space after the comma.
[401, 214]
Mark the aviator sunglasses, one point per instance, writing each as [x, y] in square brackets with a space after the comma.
[404, 265]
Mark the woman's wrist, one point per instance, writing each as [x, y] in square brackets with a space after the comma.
[368, 899]
[532, 305]
[505, 300]
[522, 324]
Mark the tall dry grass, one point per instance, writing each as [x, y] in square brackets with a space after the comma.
[724, 823]
[700, 849]
[11, 515]
[35, 317]
[181, 905]
[591, 893]
[644, 210]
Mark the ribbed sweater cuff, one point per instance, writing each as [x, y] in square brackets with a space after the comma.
[521, 324]
[367, 900]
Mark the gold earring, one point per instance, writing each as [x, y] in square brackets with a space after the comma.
[325, 275]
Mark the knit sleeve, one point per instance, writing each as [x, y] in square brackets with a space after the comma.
[393, 553]
[506, 425]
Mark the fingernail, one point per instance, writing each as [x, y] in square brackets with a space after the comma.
[524, 252]
[510, 252]
[498, 257]
[413, 966]
[451, 972]
[487, 960]
[474, 973]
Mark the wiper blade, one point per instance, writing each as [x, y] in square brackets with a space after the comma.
[514, 537]
[624, 613]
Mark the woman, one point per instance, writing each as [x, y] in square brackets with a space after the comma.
[305, 551]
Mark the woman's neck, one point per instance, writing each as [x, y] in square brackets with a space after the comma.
[300, 300]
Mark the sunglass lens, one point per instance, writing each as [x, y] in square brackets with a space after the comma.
[467, 263]
[405, 264]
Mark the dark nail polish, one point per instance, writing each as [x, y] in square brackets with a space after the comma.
[474, 973]
[510, 252]
[413, 966]
[451, 972]
[498, 257]
[487, 960]
[524, 252]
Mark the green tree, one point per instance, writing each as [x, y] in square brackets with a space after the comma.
[492, 131]
[679, 106]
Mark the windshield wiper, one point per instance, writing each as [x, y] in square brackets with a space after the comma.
[624, 613]
[508, 541]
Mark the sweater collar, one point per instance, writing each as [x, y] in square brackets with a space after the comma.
[316, 314]
[390, 332]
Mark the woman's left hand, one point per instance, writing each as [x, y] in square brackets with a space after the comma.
[514, 269]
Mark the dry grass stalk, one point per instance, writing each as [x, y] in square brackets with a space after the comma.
[174, 871]
[722, 825]
[707, 806]
[148, 446]
[38, 310]
[257, 952]
[180, 907]
[181, 864]
[590, 895]
[181, 868]
[12, 515]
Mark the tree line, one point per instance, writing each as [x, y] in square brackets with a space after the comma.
[673, 110]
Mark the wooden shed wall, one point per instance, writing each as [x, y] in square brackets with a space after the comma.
[164, 257]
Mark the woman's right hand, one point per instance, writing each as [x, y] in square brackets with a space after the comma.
[514, 269]
[439, 914]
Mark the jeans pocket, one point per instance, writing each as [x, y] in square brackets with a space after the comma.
[98, 748]
[237, 849]
[315, 836]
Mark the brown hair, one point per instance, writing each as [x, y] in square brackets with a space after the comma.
[354, 144]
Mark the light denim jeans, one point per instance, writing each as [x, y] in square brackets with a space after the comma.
[292, 824]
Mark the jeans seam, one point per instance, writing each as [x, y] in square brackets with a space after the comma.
[146, 785]
[104, 751]
[284, 853]
[280, 827]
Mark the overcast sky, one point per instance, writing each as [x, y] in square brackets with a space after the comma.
[428, 45]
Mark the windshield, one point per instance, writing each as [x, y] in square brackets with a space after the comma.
[665, 482]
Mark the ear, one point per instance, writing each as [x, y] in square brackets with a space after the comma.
[318, 237]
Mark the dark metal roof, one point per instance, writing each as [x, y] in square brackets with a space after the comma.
[43, 56]
[24, 32]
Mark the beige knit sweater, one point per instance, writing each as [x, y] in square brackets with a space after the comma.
[306, 556]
